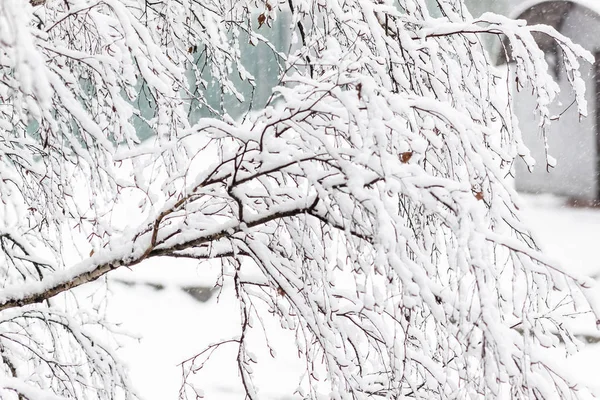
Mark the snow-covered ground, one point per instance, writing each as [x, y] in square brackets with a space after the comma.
[175, 326]
[571, 236]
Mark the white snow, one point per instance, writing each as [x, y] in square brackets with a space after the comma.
[175, 327]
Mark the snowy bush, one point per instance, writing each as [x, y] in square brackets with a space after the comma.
[370, 194]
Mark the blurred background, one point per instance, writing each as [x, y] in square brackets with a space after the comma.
[181, 312]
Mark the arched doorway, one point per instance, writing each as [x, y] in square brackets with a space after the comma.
[574, 143]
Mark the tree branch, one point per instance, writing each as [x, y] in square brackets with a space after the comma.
[127, 256]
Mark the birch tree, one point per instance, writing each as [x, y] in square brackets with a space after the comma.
[371, 192]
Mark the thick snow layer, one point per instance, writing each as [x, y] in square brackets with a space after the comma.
[174, 326]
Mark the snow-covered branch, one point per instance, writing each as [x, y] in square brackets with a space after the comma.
[369, 195]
